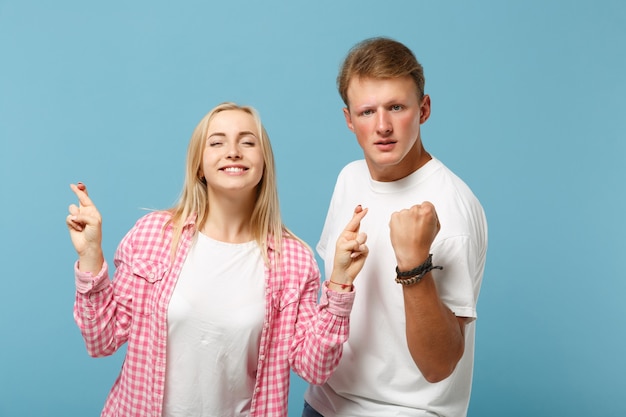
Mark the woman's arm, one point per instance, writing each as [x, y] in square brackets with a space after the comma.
[101, 309]
[321, 329]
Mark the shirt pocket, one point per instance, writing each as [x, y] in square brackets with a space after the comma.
[285, 303]
[147, 289]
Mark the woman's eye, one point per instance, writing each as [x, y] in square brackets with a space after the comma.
[248, 141]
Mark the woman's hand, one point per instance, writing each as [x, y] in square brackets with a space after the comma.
[85, 226]
[350, 253]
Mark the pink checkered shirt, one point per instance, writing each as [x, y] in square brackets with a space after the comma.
[298, 333]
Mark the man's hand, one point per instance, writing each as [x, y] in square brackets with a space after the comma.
[412, 233]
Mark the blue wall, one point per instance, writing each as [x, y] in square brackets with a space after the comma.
[528, 108]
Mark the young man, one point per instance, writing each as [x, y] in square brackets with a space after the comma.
[411, 345]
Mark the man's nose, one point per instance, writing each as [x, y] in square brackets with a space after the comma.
[384, 125]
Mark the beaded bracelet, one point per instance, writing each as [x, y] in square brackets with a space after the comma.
[417, 278]
[415, 275]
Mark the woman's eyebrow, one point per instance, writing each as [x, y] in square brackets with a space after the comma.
[240, 135]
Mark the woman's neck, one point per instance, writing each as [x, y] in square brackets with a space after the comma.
[229, 221]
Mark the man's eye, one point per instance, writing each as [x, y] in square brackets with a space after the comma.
[396, 107]
[367, 112]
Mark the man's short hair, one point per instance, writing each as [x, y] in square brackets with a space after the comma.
[379, 58]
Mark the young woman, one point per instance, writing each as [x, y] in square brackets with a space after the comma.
[215, 297]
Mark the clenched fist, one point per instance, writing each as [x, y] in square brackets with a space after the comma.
[412, 232]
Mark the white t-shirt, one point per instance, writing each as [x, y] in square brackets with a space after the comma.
[376, 375]
[215, 317]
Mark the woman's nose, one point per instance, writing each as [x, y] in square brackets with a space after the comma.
[233, 152]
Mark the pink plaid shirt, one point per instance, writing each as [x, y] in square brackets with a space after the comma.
[298, 333]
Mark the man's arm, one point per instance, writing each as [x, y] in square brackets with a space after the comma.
[435, 336]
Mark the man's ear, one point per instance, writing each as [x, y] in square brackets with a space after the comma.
[425, 108]
[346, 114]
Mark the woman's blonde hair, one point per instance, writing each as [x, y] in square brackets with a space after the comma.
[265, 221]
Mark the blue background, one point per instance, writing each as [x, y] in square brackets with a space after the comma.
[528, 108]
